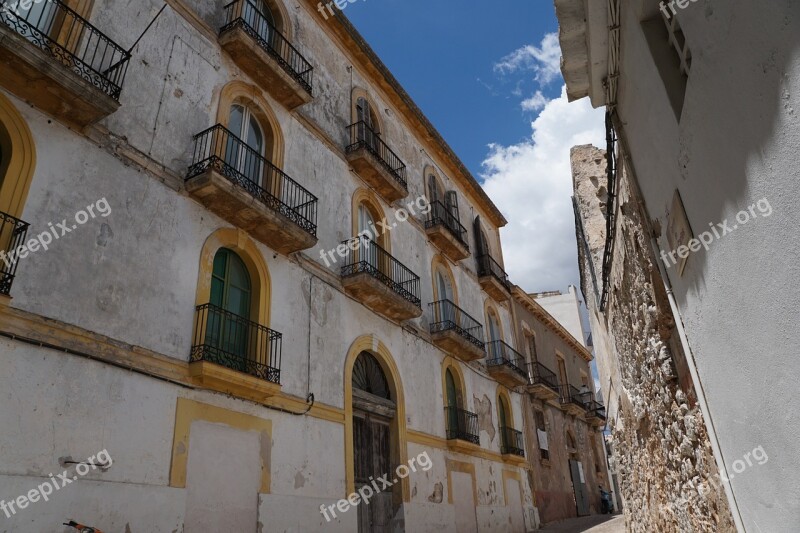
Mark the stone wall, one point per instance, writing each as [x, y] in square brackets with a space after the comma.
[668, 477]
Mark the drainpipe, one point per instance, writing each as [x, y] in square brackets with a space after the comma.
[698, 386]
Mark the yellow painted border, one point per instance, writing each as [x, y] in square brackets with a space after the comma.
[467, 468]
[239, 92]
[188, 411]
[399, 448]
[15, 139]
[238, 241]
[513, 474]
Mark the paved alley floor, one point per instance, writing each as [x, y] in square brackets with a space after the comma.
[588, 524]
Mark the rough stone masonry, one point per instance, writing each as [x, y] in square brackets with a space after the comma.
[668, 477]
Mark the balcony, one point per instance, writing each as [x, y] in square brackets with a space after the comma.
[543, 383]
[455, 332]
[446, 232]
[505, 364]
[260, 50]
[379, 281]
[512, 446]
[461, 429]
[572, 401]
[493, 278]
[55, 60]
[375, 162]
[12, 235]
[234, 355]
[595, 413]
[238, 184]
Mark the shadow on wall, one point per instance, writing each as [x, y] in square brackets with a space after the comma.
[733, 133]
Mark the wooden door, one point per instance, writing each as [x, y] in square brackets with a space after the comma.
[371, 445]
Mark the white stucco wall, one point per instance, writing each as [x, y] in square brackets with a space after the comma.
[735, 144]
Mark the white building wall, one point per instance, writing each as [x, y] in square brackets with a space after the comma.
[735, 144]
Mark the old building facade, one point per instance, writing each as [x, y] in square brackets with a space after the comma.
[685, 229]
[242, 267]
[563, 420]
[253, 212]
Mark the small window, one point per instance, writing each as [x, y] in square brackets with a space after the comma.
[671, 55]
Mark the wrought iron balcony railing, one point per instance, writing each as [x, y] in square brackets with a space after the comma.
[511, 442]
[487, 266]
[461, 425]
[237, 343]
[365, 256]
[570, 394]
[498, 353]
[64, 35]
[440, 215]
[596, 409]
[362, 136]
[246, 15]
[540, 374]
[12, 235]
[220, 150]
[445, 315]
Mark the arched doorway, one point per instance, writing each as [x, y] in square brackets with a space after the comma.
[374, 456]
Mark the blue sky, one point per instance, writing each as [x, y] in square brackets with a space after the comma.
[487, 75]
[444, 52]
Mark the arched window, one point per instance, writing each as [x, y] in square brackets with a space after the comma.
[454, 395]
[367, 213]
[245, 152]
[503, 413]
[435, 191]
[368, 128]
[496, 351]
[368, 376]
[228, 327]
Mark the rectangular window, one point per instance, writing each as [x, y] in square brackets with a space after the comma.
[670, 52]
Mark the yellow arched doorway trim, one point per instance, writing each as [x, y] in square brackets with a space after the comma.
[369, 343]
[238, 241]
[16, 175]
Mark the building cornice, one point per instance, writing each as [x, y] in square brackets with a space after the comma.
[539, 312]
[380, 74]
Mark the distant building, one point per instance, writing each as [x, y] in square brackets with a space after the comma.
[563, 419]
[566, 309]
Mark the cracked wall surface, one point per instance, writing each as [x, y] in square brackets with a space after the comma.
[668, 476]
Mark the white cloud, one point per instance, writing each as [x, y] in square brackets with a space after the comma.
[544, 60]
[535, 102]
[531, 183]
